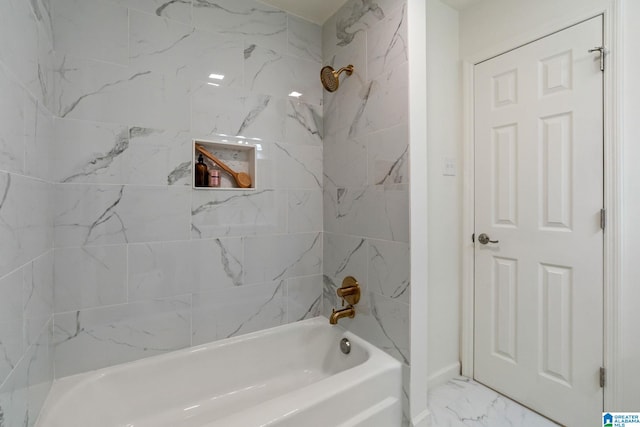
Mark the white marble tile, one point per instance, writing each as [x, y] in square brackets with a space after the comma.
[14, 399]
[345, 256]
[19, 41]
[96, 338]
[305, 211]
[266, 71]
[42, 87]
[226, 213]
[22, 395]
[40, 372]
[299, 166]
[367, 212]
[26, 228]
[389, 269]
[90, 276]
[463, 402]
[90, 152]
[272, 73]
[225, 111]
[303, 124]
[39, 141]
[175, 268]
[180, 50]
[384, 323]
[98, 91]
[11, 322]
[387, 42]
[256, 22]
[345, 162]
[305, 39]
[13, 110]
[38, 293]
[273, 258]
[177, 10]
[388, 156]
[42, 9]
[92, 29]
[304, 297]
[236, 311]
[88, 214]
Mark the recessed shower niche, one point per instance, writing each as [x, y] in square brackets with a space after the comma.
[219, 165]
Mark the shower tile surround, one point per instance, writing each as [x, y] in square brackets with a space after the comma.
[142, 263]
[365, 165]
[26, 215]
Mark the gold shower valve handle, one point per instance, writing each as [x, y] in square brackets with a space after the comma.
[349, 291]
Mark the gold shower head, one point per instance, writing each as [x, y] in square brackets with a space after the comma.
[330, 78]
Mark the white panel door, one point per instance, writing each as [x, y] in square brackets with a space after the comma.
[539, 192]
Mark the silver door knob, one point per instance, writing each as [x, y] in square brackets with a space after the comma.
[484, 239]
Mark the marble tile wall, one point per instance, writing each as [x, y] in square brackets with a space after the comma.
[366, 181]
[143, 263]
[26, 215]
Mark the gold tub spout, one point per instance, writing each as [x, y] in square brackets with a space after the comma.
[345, 312]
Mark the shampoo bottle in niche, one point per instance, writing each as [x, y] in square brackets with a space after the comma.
[201, 173]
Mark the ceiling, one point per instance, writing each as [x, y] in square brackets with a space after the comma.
[317, 11]
[459, 4]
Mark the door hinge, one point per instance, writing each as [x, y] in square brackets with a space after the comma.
[603, 218]
[473, 238]
[601, 50]
[602, 377]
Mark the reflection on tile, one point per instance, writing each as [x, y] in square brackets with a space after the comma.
[89, 277]
[253, 21]
[175, 268]
[179, 50]
[96, 338]
[463, 402]
[236, 311]
[273, 258]
[93, 215]
[304, 298]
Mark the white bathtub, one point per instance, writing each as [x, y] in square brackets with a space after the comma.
[293, 375]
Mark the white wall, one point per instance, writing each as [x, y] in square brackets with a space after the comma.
[630, 367]
[489, 23]
[443, 122]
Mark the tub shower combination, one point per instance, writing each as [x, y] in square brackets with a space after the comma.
[306, 374]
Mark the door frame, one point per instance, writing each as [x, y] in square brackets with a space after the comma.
[612, 265]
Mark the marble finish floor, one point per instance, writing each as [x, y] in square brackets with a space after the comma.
[463, 402]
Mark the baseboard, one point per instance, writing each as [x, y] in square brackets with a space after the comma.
[444, 375]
